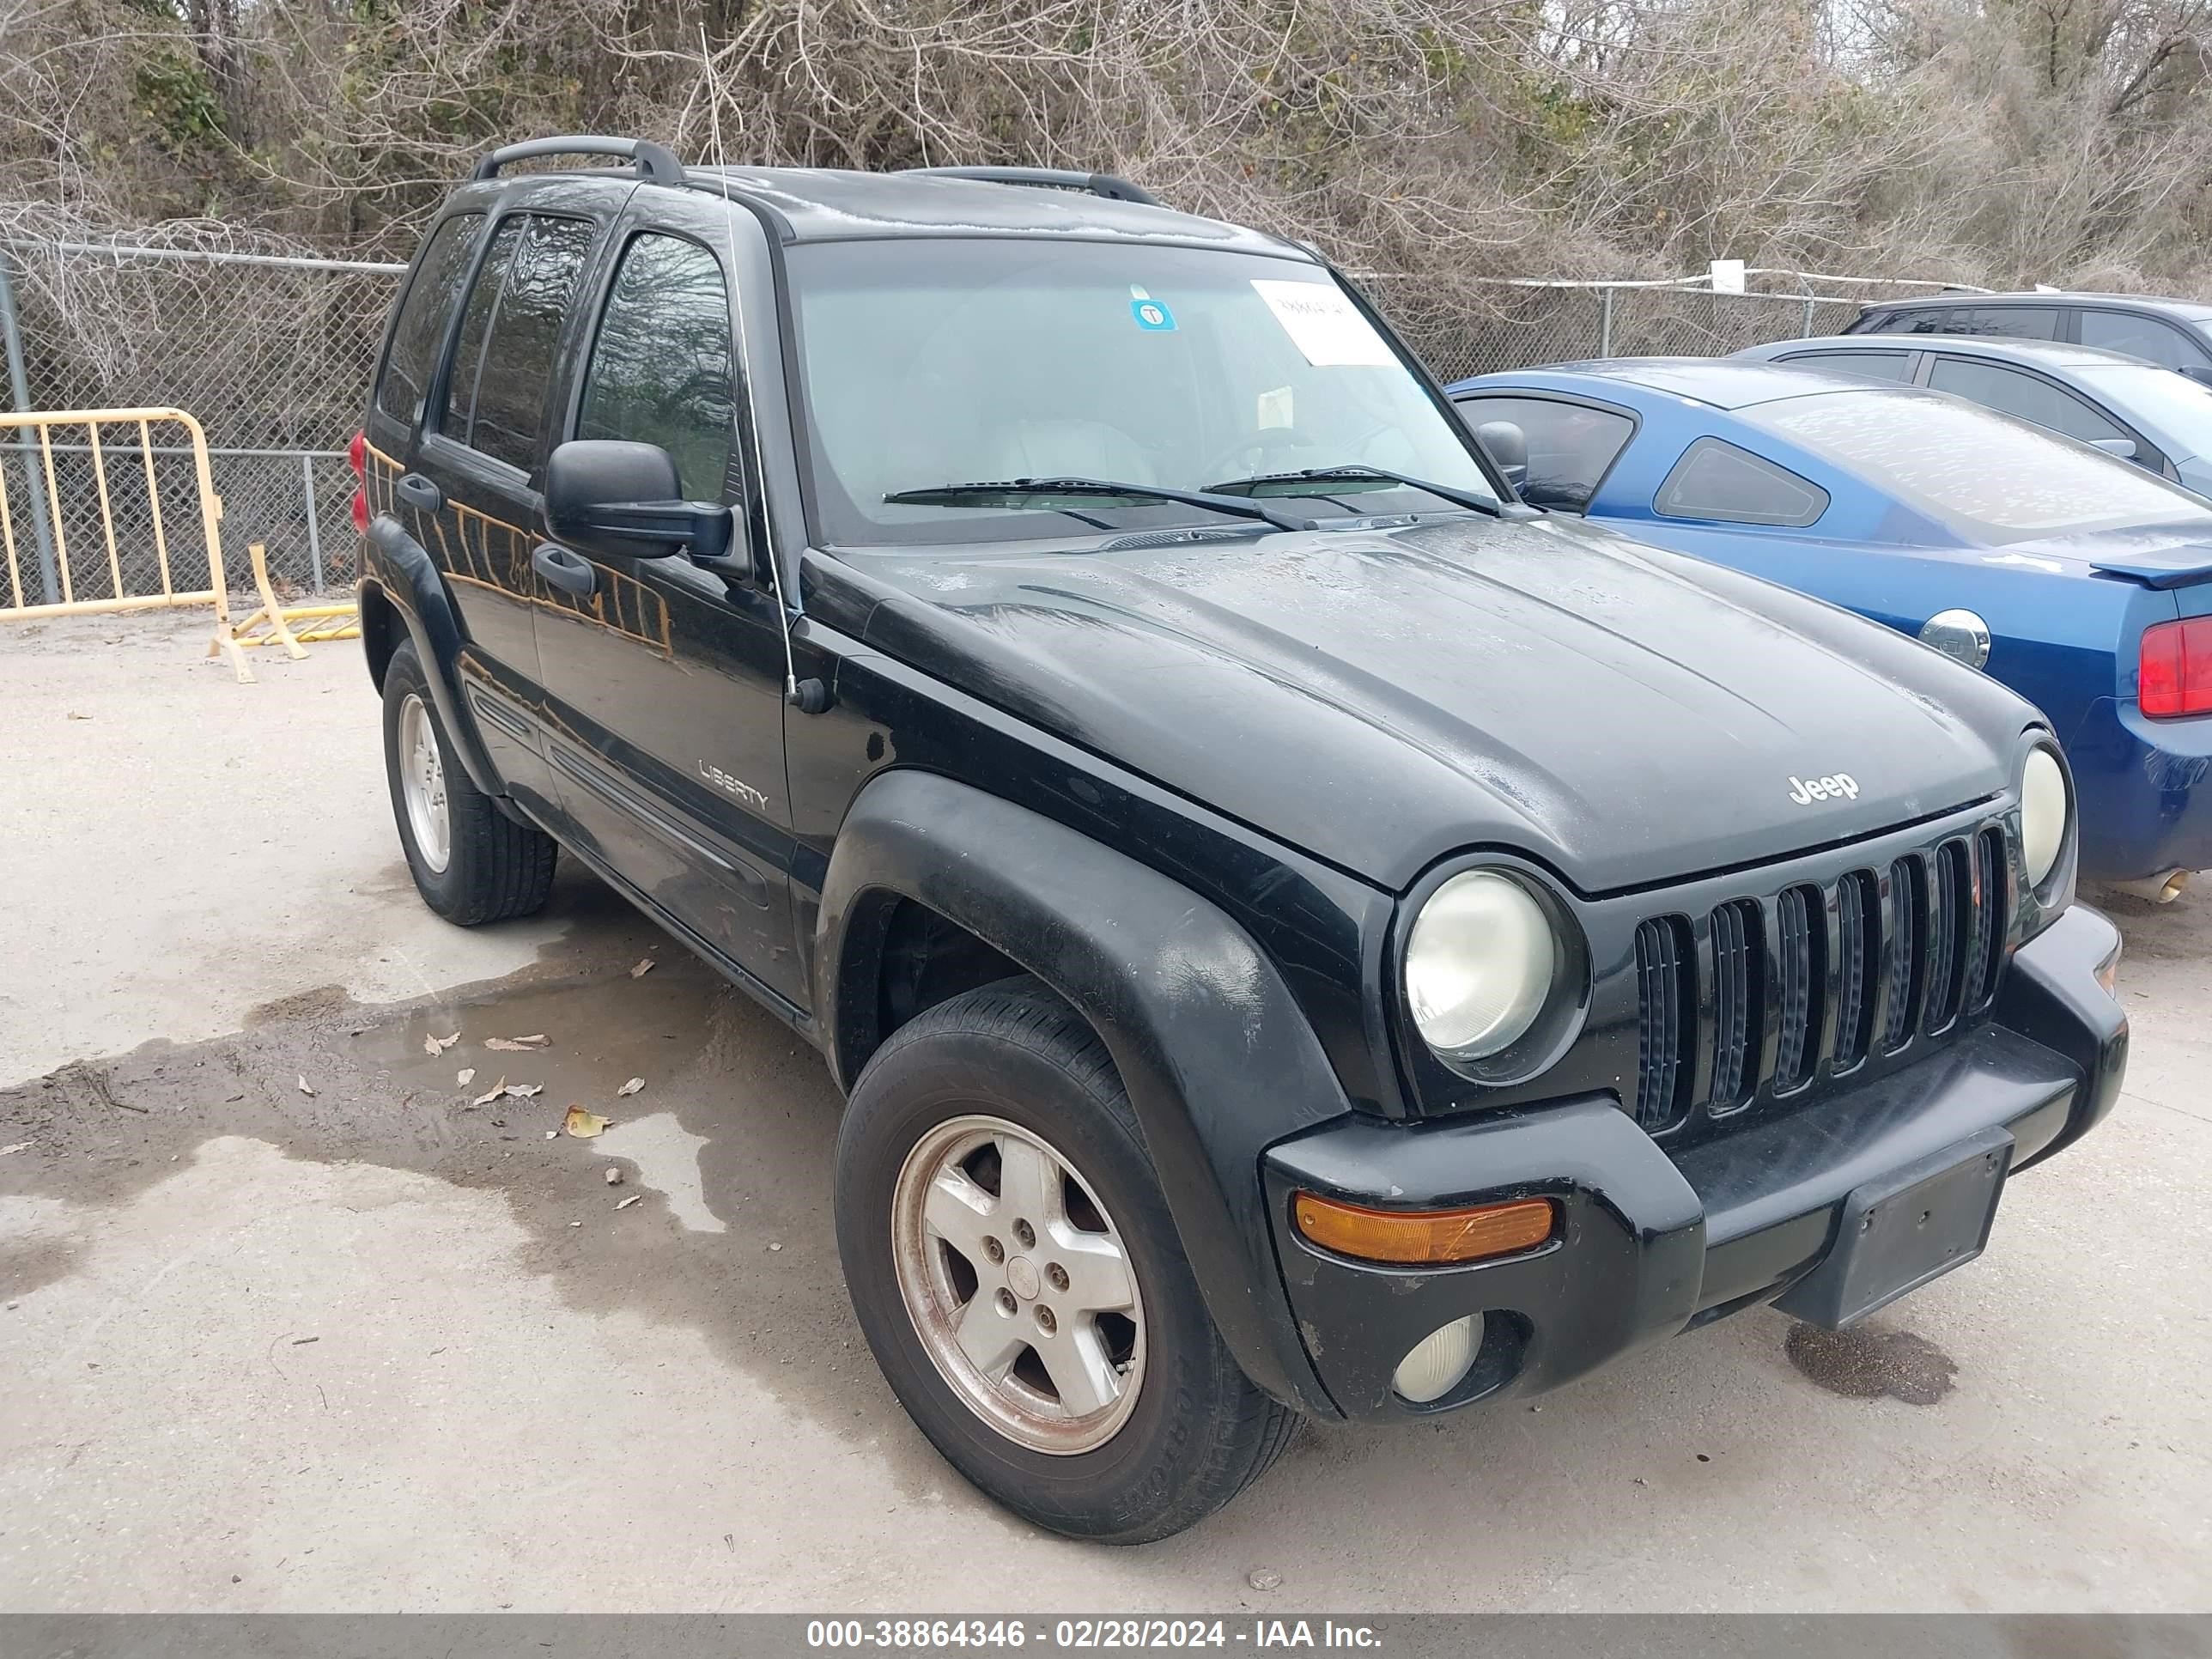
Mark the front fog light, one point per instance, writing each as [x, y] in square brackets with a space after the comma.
[1436, 1364]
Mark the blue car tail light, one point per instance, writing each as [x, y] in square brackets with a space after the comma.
[2176, 676]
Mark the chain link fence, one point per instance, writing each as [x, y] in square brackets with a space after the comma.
[1514, 324]
[274, 352]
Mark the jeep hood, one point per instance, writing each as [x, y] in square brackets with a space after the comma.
[1382, 699]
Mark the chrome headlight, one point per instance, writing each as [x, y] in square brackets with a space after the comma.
[1480, 964]
[2043, 813]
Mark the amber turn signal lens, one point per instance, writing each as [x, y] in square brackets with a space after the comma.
[2108, 973]
[1431, 1236]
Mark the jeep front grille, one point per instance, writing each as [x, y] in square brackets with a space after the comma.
[1667, 1034]
[1762, 997]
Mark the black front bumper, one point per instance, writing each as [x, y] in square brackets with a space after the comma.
[1651, 1243]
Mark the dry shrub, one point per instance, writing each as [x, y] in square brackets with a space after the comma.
[1992, 140]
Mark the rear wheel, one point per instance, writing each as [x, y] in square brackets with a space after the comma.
[472, 863]
[1013, 1262]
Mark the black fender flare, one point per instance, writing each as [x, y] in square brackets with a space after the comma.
[395, 562]
[1217, 1060]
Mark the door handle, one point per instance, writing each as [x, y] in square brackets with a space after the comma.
[564, 569]
[419, 493]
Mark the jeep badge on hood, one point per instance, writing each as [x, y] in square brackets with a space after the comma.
[1837, 786]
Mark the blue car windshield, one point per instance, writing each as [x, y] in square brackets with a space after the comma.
[929, 363]
[1988, 476]
[2178, 406]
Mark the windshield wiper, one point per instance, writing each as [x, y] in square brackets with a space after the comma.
[1354, 473]
[1034, 492]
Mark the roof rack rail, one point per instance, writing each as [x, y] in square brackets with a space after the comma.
[1093, 184]
[656, 163]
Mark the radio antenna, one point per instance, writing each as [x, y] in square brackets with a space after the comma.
[813, 697]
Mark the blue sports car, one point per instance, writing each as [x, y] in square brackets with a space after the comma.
[2081, 581]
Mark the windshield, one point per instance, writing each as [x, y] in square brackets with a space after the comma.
[2179, 407]
[1984, 474]
[933, 364]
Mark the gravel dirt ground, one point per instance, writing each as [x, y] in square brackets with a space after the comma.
[378, 1347]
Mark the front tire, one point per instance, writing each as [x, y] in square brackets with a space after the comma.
[1013, 1265]
[472, 863]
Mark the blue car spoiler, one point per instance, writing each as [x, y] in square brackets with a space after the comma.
[2153, 575]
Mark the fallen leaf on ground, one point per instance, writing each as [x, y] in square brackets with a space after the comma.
[643, 968]
[614, 1175]
[552, 1134]
[430, 1046]
[490, 1094]
[525, 1091]
[515, 1045]
[304, 1088]
[465, 1076]
[582, 1124]
[632, 1086]
[631, 1200]
[20, 1146]
[76, 716]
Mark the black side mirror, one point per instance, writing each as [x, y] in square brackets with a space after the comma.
[622, 500]
[1508, 445]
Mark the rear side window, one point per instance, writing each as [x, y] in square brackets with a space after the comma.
[475, 328]
[2008, 391]
[503, 361]
[1915, 322]
[660, 369]
[1571, 445]
[2014, 322]
[1867, 365]
[422, 314]
[1716, 480]
[2142, 336]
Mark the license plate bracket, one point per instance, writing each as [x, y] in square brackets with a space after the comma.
[1903, 1229]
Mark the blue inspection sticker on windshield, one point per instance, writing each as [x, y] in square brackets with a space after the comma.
[1152, 316]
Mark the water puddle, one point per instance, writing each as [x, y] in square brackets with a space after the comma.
[665, 1156]
[579, 1043]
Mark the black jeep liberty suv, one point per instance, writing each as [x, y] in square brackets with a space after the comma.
[1300, 933]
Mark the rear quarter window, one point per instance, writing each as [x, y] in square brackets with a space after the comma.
[2139, 336]
[417, 336]
[1867, 365]
[1716, 480]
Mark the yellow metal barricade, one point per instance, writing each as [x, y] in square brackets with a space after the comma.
[35, 534]
[290, 626]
